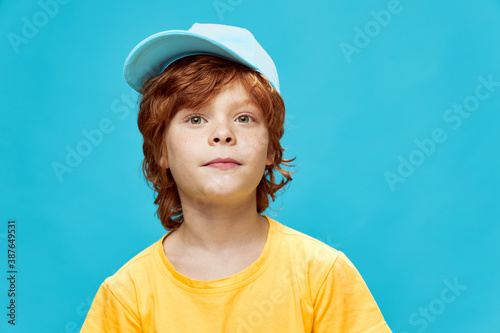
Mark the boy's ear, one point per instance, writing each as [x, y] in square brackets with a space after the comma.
[162, 159]
[270, 156]
[163, 162]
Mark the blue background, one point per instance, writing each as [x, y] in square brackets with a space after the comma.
[351, 118]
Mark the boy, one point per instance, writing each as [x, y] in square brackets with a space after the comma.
[212, 117]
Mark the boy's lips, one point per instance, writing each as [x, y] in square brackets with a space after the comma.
[228, 162]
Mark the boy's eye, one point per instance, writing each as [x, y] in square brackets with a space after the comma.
[245, 119]
[197, 120]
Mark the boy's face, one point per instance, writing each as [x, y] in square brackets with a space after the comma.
[230, 126]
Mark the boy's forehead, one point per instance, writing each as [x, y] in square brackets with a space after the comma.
[235, 95]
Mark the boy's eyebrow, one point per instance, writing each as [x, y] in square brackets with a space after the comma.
[237, 103]
[245, 102]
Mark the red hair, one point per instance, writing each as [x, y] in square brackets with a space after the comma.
[191, 82]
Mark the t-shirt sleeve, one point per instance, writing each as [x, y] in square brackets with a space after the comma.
[344, 304]
[109, 314]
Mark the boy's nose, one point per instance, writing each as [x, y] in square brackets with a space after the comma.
[223, 134]
[228, 139]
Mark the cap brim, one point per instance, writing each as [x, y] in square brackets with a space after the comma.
[150, 57]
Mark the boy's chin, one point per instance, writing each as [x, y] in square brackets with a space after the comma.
[224, 197]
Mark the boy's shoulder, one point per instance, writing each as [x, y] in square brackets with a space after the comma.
[134, 268]
[311, 260]
[313, 249]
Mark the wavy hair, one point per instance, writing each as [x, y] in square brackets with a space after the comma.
[192, 82]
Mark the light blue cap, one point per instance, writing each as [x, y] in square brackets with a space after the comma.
[151, 56]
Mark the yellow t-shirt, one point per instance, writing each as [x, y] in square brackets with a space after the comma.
[298, 284]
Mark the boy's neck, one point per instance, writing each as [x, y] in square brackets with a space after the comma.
[221, 230]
